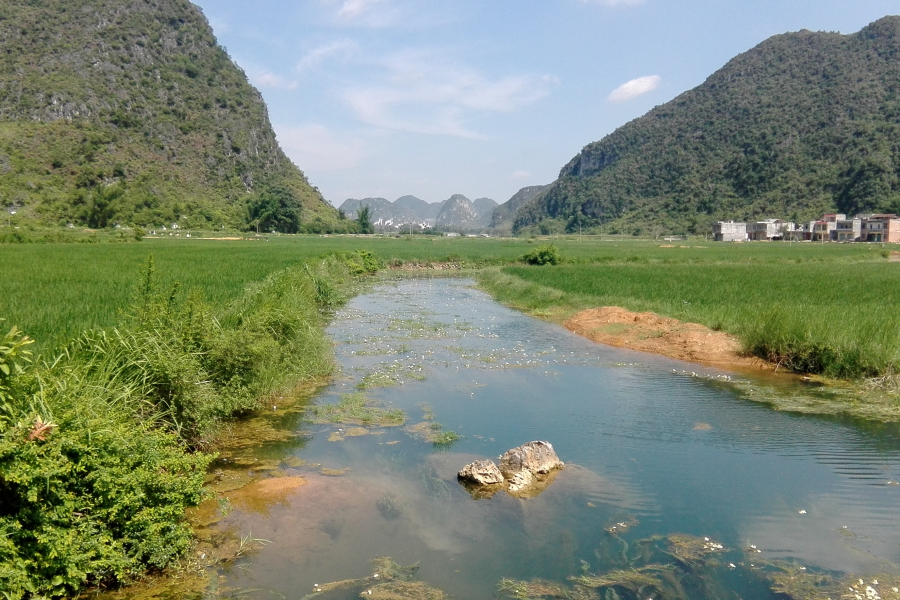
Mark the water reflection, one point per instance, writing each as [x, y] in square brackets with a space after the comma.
[650, 454]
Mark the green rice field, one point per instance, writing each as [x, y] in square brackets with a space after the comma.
[826, 308]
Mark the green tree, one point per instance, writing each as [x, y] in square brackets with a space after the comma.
[274, 209]
[364, 220]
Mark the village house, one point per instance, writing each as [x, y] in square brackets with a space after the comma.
[831, 227]
[847, 230]
[768, 229]
[729, 231]
[880, 228]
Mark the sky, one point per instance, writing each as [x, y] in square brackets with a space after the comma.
[483, 97]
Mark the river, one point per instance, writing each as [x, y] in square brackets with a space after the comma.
[664, 462]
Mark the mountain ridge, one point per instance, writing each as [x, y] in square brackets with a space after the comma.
[799, 125]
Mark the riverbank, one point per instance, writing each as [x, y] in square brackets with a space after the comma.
[865, 397]
[649, 332]
[105, 445]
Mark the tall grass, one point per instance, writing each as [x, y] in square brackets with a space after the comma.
[836, 319]
[101, 449]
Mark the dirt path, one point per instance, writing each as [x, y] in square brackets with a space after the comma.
[649, 332]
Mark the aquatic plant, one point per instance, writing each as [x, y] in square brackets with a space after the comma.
[529, 590]
[386, 571]
[357, 409]
[445, 439]
[391, 374]
[632, 579]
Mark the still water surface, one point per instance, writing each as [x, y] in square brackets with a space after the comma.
[646, 445]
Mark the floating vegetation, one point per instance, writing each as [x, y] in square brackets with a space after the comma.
[690, 548]
[528, 590]
[621, 526]
[631, 579]
[390, 375]
[357, 409]
[341, 434]
[333, 472]
[433, 433]
[420, 328]
[389, 581]
[797, 582]
[382, 351]
[403, 590]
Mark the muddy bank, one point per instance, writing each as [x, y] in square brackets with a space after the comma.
[649, 332]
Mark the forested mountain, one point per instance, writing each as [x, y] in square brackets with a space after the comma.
[503, 215]
[129, 111]
[802, 124]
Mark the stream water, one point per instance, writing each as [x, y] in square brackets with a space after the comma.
[662, 466]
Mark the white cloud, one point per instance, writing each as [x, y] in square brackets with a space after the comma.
[365, 13]
[521, 175]
[317, 56]
[268, 79]
[423, 94]
[315, 148]
[634, 88]
[262, 77]
[354, 8]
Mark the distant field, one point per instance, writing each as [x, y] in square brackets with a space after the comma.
[54, 291]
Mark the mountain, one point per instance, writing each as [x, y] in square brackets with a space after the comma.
[458, 213]
[503, 215]
[418, 206]
[130, 111]
[802, 124]
[381, 209]
[403, 211]
[484, 208]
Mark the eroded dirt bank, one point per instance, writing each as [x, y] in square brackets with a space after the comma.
[649, 332]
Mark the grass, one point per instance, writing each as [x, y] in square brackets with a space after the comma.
[827, 317]
[54, 291]
[103, 448]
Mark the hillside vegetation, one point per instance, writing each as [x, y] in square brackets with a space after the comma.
[802, 124]
[128, 111]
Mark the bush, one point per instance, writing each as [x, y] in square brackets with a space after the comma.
[546, 254]
[101, 449]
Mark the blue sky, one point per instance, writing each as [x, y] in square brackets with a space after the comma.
[394, 97]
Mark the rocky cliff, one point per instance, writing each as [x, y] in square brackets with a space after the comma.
[130, 111]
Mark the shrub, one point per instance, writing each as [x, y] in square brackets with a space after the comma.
[99, 449]
[546, 254]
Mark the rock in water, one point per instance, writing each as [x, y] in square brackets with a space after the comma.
[481, 472]
[536, 457]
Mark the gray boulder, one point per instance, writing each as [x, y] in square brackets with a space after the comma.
[538, 458]
[481, 472]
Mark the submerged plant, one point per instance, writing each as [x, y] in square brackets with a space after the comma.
[357, 409]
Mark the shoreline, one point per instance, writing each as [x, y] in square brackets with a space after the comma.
[665, 336]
